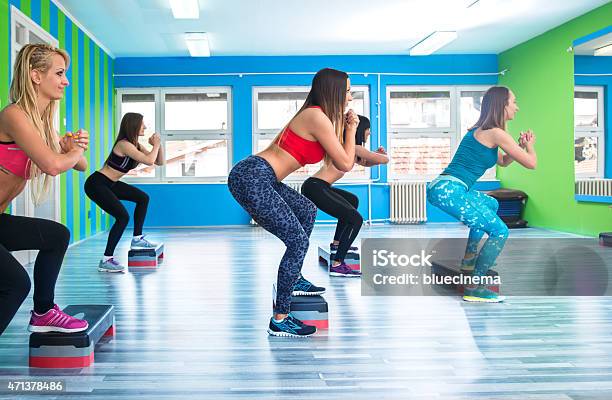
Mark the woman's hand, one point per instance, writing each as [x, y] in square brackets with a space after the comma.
[154, 139]
[351, 120]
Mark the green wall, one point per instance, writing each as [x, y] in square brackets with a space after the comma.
[541, 74]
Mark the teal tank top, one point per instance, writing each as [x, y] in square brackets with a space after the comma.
[471, 160]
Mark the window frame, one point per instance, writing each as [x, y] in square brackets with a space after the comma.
[270, 134]
[452, 132]
[598, 132]
[169, 135]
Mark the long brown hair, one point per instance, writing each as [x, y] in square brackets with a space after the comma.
[130, 127]
[328, 91]
[23, 93]
[492, 111]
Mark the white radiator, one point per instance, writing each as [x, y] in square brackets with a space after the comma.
[594, 187]
[408, 202]
[297, 186]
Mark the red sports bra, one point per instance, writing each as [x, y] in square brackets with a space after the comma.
[303, 150]
[14, 159]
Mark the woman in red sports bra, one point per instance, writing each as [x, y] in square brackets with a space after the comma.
[315, 132]
[31, 149]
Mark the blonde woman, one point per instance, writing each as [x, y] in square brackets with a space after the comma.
[31, 150]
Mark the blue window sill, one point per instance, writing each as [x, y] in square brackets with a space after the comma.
[593, 199]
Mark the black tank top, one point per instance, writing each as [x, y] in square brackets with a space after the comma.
[121, 163]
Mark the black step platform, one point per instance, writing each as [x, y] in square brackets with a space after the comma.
[73, 350]
[605, 239]
[146, 258]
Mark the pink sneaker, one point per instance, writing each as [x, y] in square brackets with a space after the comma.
[55, 320]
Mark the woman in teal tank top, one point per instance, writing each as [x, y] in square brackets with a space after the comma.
[487, 143]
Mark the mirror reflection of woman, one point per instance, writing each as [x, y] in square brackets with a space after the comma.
[105, 189]
[486, 143]
[342, 204]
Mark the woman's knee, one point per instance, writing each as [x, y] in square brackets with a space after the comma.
[122, 218]
[144, 199]
[356, 219]
[19, 283]
[499, 230]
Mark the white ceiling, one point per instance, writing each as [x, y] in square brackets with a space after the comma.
[315, 27]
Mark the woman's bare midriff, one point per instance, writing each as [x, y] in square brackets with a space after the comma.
[111, 173]
[281, 162]
[11, 186]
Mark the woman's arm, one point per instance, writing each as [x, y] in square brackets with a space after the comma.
[369, 158]
[161, 159]
[342, 155]
[29, 140]
[527, 157]
[142, 156]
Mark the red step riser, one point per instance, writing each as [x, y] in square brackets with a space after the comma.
[62, 362]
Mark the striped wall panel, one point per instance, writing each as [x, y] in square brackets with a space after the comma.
[87, 104]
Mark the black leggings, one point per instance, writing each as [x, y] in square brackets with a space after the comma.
[24, 233]
[106, 193]
[339, 204]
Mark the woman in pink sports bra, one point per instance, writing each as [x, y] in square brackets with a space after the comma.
[255, 182]
[31, 150]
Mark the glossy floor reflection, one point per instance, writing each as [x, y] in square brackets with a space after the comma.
[196, 328]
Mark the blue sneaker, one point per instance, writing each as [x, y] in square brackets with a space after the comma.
[481, 294]
[142, 243]
[291, 327]
[304, 288]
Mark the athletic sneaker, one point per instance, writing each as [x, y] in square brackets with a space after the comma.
[304, 288]
[110, 265]
[334, 247]
[291, 327]
[343, 270]
[481, 294]
[142, 243]
[55, 320]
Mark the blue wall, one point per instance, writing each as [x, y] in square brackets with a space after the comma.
[212, 204]
[599, 65]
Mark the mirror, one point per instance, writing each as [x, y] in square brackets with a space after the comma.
[592, 83]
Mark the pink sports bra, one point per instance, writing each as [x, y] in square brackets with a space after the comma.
[15, 160]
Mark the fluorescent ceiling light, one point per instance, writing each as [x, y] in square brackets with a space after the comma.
[197, 43]
[433, 42]
[604, 51]
[185, 9]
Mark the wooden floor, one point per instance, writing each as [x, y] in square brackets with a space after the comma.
[196, 328]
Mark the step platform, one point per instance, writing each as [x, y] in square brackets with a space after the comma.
[351, 259]
[311, 310]
[146, 258]
[605, 239]
[73, 350]
[453, 268]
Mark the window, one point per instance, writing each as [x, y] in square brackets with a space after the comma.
[426, 124]
[588, 132]
[273, 108]
[195, 128]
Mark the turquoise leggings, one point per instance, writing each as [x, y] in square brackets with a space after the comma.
[479, 212]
